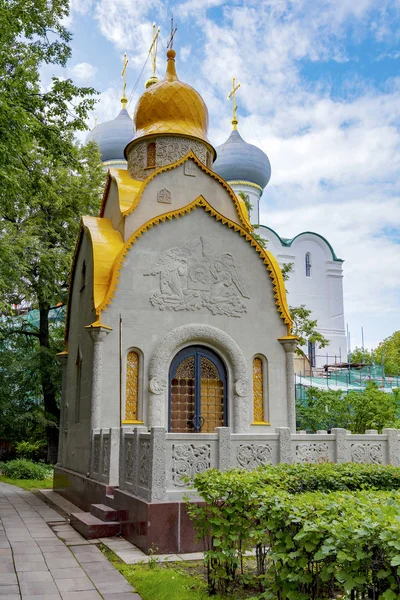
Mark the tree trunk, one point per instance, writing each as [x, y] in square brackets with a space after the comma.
[48, 387]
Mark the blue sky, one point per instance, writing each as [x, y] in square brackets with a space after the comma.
[320, 94]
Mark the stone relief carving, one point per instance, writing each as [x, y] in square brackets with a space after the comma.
[250, 456]
[242, 387]
[188, 460]
[367, 453]
[106, 456]
[171, 149]
[137, 161]
[194, 276]
[129, 458]
[157, 385]
[96, 454]
[144, 460]
[189, 168]
[164, 196]
[312, 453]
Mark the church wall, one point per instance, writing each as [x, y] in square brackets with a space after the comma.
[322, 292]
[175, 189]
[144, 326]
[76, 450]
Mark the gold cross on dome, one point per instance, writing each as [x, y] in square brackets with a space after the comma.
[232, 94]
[173, 32]
[124, 99]
[153, 49]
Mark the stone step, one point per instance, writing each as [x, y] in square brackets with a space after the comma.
[103, 512]
[91, 527]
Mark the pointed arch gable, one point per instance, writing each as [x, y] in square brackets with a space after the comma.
[200, 202]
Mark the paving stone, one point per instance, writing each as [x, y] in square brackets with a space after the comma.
[6, 565]
[75, 585]
[192, 556]
[7, 591]
[31, 566]
[112, 587]
[41, 597]
[66, 573]
[97, 567]
[35, 576]
[63, 563]
[8, 579]
[38, 587]
[88, 595]
[105, 576]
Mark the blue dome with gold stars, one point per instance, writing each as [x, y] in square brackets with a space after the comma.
[239, 161]
[113, 136]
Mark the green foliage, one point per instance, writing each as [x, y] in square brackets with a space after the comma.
[358, 355]
[24, 469]
[29, 484]
[305, 328]
[371, 408]
[319, 530]
[388, 353]
[30, 450]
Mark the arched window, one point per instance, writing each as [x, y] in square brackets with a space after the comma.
[132, 387]
[308, 264]
[197, 391]
[151, 155]
[259, 392]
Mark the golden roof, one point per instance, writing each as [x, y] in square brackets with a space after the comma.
[171, 107]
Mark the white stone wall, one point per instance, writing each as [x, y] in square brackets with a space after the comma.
[322, 292]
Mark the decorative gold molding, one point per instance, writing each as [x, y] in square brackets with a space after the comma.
[260, 423]
[267, 258]
[249, 183]
[127, 422]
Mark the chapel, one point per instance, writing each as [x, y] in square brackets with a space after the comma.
[179, 353]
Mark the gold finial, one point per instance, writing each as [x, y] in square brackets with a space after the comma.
[124, 99]
[153, 53]
[232, 94]
[173, 32]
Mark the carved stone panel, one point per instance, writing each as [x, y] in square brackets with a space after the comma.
[195, 276]
[164, 196]
[312, 453]
[250, 456]
[144, 462]
[188, 460]
[106, 456]
[367, 453]
[137, 162]
[189, 168]
[129, 458]
[171, 149]
[96, 454]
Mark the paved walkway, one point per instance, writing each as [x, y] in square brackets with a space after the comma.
[35, 563]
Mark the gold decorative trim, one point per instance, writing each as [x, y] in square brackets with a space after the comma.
[249, 183]
[267, 258]
[240, 209]
[127, 422]
[260, 423]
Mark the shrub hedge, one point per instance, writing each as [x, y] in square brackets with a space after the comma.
[318, 530]
[24, 469]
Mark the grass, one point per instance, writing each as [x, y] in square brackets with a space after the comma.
[29, 484]
[165, 581]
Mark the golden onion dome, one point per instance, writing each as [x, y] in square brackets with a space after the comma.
[171, 107]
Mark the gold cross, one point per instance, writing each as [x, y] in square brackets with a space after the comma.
[153, 49]
[124, 99]
[232, 94]
[173, 32]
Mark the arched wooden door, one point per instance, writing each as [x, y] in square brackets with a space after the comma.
[197, 391]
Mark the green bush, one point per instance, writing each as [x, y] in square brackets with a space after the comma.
[318, 530]
[31, 450]
[24, 469]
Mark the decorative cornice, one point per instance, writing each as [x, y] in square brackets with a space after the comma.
[267, 258]
[249, 183]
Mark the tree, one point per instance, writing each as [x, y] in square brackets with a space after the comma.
[388, 354]
[359, 355]
[39, 227]
[46, 181]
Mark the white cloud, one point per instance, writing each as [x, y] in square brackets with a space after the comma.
[84, 72]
